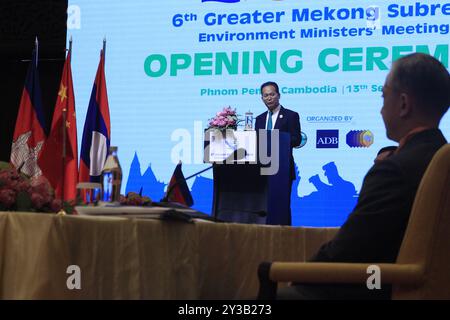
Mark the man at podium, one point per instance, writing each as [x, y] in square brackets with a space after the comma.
[278, 117]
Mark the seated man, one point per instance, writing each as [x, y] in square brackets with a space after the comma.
[416, 95]
[385, 152]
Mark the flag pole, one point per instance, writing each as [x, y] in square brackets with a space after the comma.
[36, 46]
[104, 49]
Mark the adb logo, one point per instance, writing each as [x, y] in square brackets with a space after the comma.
[327, 139]
[359, 138]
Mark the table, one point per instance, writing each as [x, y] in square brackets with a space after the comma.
[129, 258]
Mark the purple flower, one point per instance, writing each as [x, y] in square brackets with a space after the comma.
[38, 190]
[56, 205]
[7, 198]
[38, 201]
[226, 118]
[42, 191]
[9, 174]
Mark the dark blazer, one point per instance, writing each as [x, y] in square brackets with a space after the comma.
[287, 121]
[374, 230]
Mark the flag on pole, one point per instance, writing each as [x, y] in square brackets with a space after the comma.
[177, 190]
[59, 159]
[29, 132]
[97, 129]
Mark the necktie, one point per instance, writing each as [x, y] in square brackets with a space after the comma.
[269, 121]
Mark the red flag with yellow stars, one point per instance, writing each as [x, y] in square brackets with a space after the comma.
[59, 159]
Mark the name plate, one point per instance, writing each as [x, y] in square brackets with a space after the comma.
[223, 143]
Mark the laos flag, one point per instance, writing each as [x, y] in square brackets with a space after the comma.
[97, 129]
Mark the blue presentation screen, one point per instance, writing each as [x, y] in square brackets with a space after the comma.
[172, 65]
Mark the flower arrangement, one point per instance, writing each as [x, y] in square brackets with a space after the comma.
[18, 192]
[225, 119]
[135, 199]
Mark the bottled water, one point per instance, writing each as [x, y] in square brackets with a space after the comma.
[111, 178]
[248, 121]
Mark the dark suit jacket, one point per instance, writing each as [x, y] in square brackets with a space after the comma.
[287, 121]
[374, 230]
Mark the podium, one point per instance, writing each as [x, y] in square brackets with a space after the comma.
[257, 188]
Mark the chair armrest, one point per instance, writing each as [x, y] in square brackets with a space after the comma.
[321, 272]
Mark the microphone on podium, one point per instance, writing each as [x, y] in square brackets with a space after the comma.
[236, 155]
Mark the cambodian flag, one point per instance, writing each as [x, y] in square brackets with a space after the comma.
[177, 190]
[97, 129]
[29, 133]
